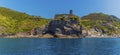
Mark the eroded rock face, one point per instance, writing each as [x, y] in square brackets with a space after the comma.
[64, 28]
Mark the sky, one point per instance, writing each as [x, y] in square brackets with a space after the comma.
[48, 8]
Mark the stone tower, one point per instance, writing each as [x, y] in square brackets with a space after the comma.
[71, 12]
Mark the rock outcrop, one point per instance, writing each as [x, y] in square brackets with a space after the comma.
[64, 25]
[58, 28]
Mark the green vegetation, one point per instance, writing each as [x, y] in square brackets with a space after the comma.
[66, 16]
[13, 22]
[74, 18]
[108, 23]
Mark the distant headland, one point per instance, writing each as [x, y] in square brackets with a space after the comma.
[14, 24]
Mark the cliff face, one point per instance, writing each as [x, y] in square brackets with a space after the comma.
[64, 25]
[57, 28]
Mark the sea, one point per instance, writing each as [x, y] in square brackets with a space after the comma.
[59, 46]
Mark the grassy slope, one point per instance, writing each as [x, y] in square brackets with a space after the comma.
[12, 21]
[106, 22]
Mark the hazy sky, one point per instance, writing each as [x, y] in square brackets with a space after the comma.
[48, 8]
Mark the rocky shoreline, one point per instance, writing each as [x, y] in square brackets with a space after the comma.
[59, 36]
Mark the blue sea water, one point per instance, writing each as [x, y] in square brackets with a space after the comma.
[56, 46]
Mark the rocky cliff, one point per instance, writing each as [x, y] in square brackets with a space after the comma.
[92, 25]
[64, 28]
